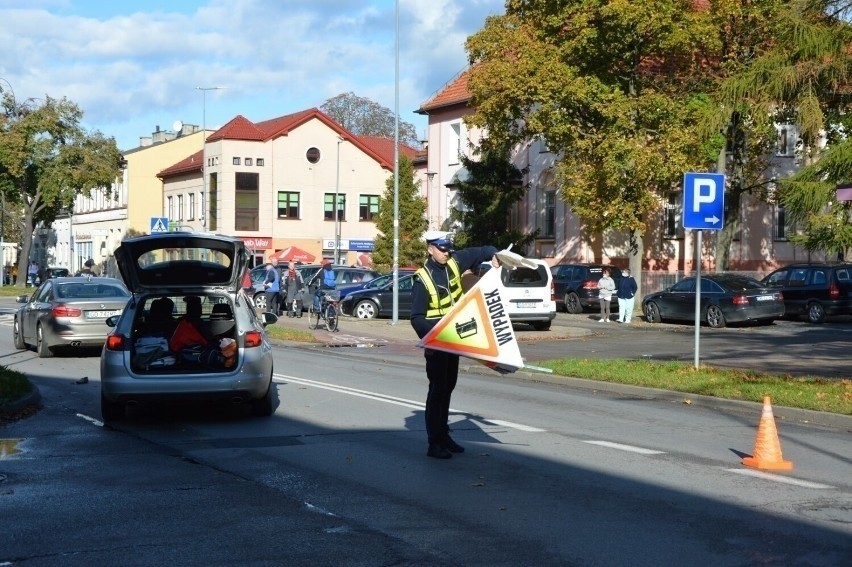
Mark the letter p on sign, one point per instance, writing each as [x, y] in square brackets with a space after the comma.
[705, 194]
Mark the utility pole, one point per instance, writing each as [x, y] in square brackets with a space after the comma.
[205, 207]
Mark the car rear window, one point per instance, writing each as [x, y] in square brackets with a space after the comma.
[90, 290]
[526, 277]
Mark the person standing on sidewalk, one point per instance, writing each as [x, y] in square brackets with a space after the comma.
[437, 287]
[626, 293]
[293, 285]
[272, 284]
[606, 285]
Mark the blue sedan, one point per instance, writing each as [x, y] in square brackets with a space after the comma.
[725, 298]
[378, 301]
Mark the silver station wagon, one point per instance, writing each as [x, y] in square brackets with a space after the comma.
[189, 332]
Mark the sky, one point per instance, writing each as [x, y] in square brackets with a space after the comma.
[133, 65]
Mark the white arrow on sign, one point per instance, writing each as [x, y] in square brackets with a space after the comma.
[713, 220]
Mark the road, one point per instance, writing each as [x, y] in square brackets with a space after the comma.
[338, 476]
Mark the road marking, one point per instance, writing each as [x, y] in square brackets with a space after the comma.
[781, 479]
[398, 401]
[630, 448]
[91, 420]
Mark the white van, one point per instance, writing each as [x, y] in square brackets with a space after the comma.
[530, 294]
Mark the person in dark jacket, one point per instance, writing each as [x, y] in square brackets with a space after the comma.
[626, 293]
[437, 287]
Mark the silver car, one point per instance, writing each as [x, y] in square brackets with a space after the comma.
[182, 282]
[68, 313]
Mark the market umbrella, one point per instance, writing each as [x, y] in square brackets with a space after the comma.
[294, 254]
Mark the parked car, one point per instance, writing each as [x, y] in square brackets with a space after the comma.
[376, 282]
[344, 275]
[166, 274]
[814, 291]
[725, 298]
[378, 301]
[530, 295]
[68, 312]
[576, 286]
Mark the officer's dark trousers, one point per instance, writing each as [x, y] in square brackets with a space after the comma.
[442, 369]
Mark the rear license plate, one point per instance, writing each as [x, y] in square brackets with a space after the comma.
[101, 314]
[765, 297]
[526, 304]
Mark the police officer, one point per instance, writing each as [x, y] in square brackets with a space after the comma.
[437, 288]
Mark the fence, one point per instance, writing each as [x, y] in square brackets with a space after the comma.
[652, 282]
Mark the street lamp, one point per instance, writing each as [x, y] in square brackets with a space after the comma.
[395, 311]
[204, 206]
[337, 207]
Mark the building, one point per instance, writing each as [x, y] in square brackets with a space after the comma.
[276, 184]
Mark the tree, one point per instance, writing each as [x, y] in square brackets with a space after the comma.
[363, 117]
[412, 221]
[617, 89]
[494, 185]
[46, 159]
[803, 75]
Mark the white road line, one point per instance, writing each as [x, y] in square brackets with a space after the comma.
[781, 479]
[92, 420]
[630, 448]
[394, 400]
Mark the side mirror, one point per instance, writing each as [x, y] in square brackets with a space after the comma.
[22, 298]
[269, 318]
[112, 321]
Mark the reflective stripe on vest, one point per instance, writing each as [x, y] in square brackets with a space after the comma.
[438, 305]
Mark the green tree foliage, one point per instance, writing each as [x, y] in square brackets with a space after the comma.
[487, 195]
[412, 221]
[803, 76]
[46, 159]
[363, 117]
[614, 86]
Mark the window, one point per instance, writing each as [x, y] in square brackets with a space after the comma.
[190, 212]
[781, 226]
[259, 162]
[548, 228]
[313, 155]
[170, 208]
[454, 147]
[236, 161]
[672, 223]
[247, 201]
[368, 207]
[247, 161]
[328, 209]
[179, 208]
[786, 143]
[288, 205]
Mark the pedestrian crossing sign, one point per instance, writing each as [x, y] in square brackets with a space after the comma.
[159, 224]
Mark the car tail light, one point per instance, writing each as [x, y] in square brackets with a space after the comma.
[246, 280]
[552, 291]
[62, 310]
[833, 291]
[253, 339]
[780, 296]
[590, 284]
[740, 300]
[115, 341]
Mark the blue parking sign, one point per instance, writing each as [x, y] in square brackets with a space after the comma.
[703, 201]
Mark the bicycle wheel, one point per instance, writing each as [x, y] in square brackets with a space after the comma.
[313, 317]
[331, 318]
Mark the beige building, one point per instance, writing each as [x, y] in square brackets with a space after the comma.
[274, 184]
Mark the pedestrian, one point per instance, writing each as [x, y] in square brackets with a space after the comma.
[32, 273]
[293, 285]
[325, 279]
[88, 268]
[606, 285]
[437, 287]
[272, 285]
[626, 293]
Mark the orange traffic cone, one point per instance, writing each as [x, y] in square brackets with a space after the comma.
[767, 447]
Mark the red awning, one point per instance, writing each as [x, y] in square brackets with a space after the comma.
[294, 254]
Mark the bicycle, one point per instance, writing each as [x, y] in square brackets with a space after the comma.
[329, 311]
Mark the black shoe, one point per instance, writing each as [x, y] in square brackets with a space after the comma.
[438, 452]
[451, 445]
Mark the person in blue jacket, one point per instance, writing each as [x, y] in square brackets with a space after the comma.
[626, 293]
[272, 285]
[437, 287]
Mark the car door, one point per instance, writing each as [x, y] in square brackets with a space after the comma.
[38, 306]
[681, 300]
[406, 285]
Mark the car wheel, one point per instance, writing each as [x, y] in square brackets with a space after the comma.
[18, 336]
[572, 303]
[111, 411]
[41, 345]
[260, 301]
[816, 313]
[265, 406]
[715, 318]
[541, 325]
[365, 309]
[652, 312]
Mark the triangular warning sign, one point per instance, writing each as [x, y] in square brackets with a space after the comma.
[478, 326]
[159, 226]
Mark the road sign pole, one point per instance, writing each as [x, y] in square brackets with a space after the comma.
[697, 296]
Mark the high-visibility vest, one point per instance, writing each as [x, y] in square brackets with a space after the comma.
[438, 305]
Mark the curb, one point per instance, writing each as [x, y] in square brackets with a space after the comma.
[33, 397]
